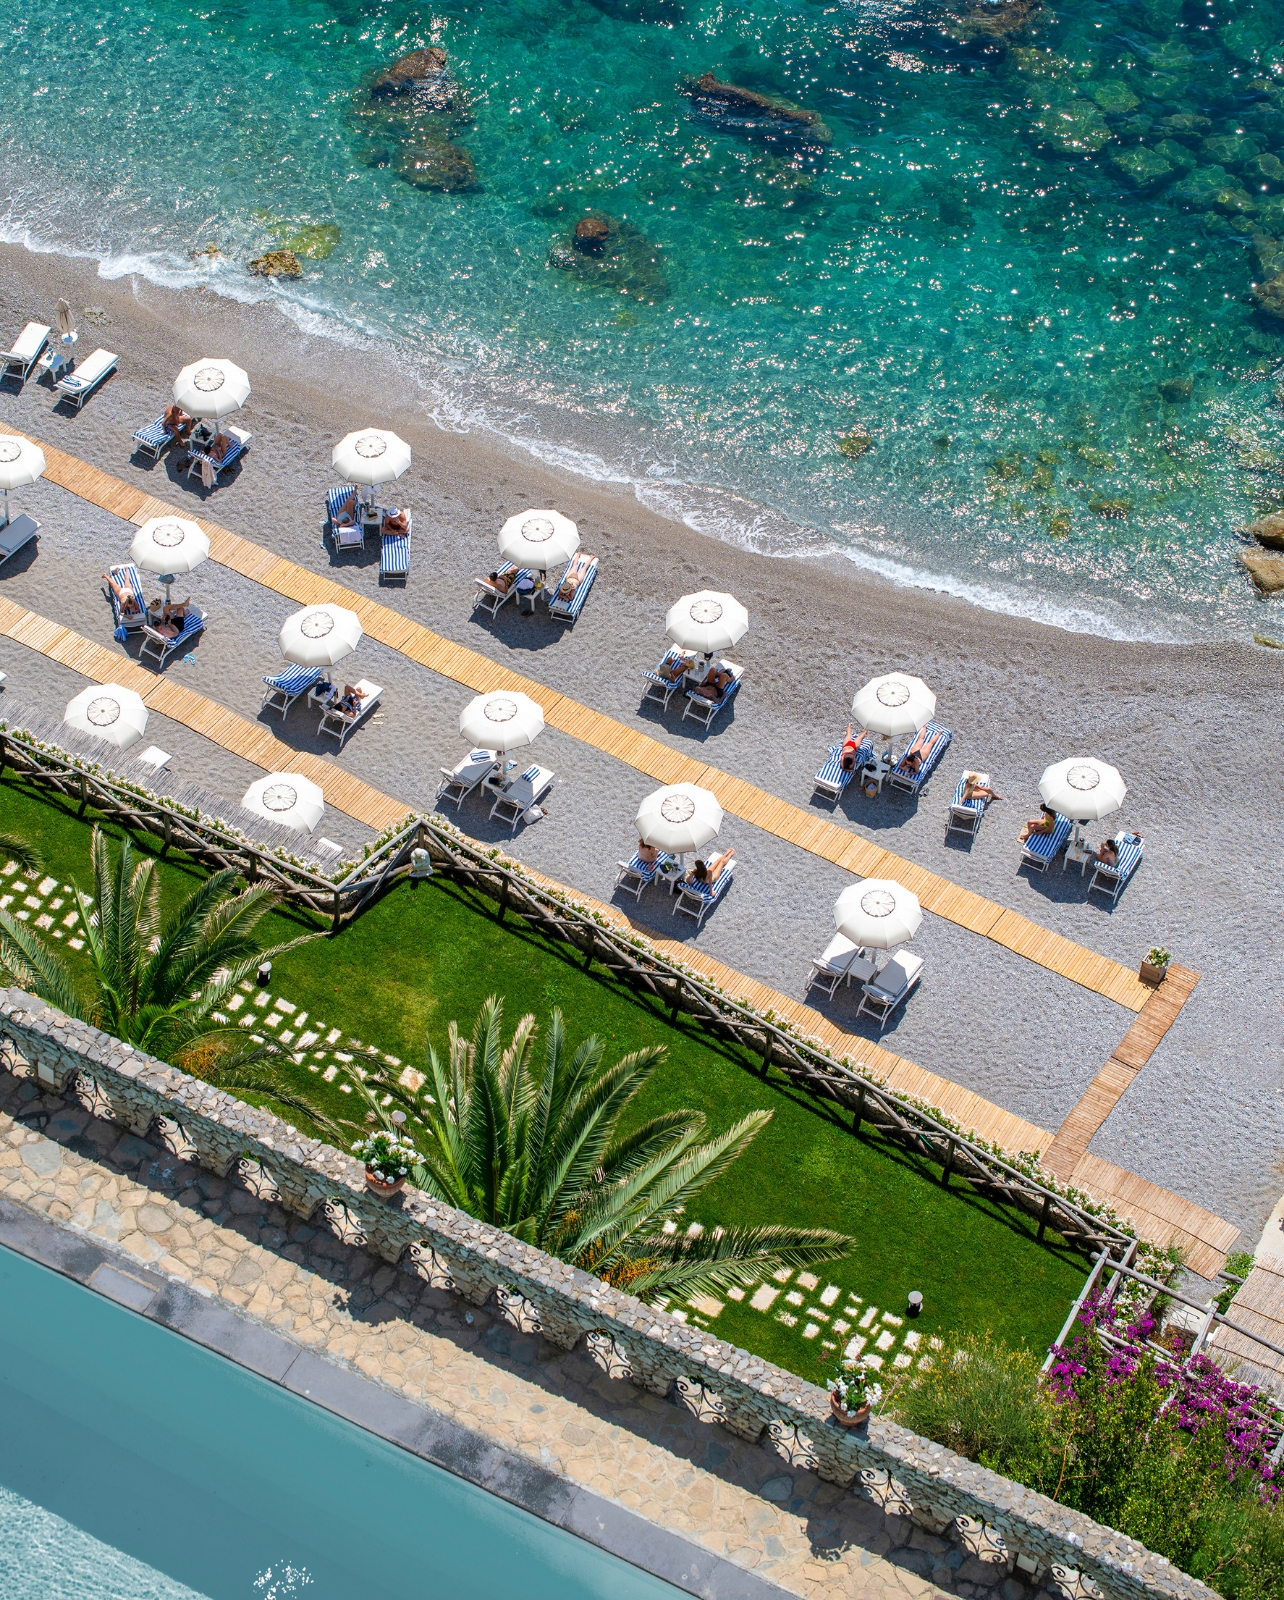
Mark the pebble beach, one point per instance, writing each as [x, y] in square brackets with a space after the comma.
[1193, 728]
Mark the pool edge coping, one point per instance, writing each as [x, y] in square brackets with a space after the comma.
[409, 1424]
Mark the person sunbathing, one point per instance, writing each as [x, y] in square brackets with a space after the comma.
[1108, 854]
[126, 599]
[917, 753]
[346, 515]
[716, 684]
[177, 422]
[395, 521]
[218, 446]
[676, 669]
[172, 617]
[708, 874]
[647, 853]
[851, 744]
[1045, 822]
[503, 581]
[577, 570]
[974, 789]
[349, 702]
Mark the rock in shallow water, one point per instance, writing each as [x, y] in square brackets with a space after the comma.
[1142, 167]
[422, 77]
[1267, 572]
[1270, 295]
[755, 115]
[277, 264]
[612, 255]
[436, 164]
[1269, 530]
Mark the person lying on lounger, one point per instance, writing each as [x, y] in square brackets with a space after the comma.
[716, 684]
[171, 618]
[218, 446]
[851, 744]
[577, 570]
[395, 521]
[126, 599]
[974, 789]
[1045, 822]
[177, 422]
[914, 757]
[709, 874]
[349, 702]
[678, 669]
[503, 581]
[646, 852]
[346, 515]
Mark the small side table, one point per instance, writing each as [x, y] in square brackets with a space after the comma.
[55, 363]
[875, 771]
[1080, 852]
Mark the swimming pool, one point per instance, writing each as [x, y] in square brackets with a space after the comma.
[135, 1465]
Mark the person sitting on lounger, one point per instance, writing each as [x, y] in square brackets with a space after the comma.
[503, 581]
[171, 618]
[177, 422]
[349, 702]
[716, 684]
[218, 446]
[708, 875]
[974, 789]
[126, 599]
[1108, 854]
[1045, 822]
[346, 515]
[577, 570]
[851, 744]
[395, 521]
[678, 669]
[646, 852]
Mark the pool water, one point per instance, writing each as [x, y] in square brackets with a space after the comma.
[136, 1466]
[1020, 269]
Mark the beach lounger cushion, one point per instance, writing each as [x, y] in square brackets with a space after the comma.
[154, 439]
[489, 598]
[705, 710]
[239, 445]
[459, 781]
[394, 555]
[339, 724]
[77, 386]
[14, 535]
[884, 992]
[965, 815]
[936, 739]
[27, 349]
[159, 645]
[569, 610]
[336, 497]
[284, 688]
[1111, 880]
[1041, 848]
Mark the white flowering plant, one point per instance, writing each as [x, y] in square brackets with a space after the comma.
[854, 1386]
[388, 1157]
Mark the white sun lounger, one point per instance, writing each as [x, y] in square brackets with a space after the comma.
[27, 349]
[459, 781]
[339, 724]
[881, 996]
[77, 386]
[840, 962]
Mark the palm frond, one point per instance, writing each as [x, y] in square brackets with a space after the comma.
[716, 1261]
[26, 854]
[32, 965]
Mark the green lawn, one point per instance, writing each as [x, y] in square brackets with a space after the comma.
[430, 952]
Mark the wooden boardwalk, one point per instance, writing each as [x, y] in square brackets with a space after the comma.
[1259, 1305]
[1160, 1215]
[1126, 1061]
[639, 750]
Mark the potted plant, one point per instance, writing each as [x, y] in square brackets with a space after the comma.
[388, 1158]
[1154, 969]
[853, 1394]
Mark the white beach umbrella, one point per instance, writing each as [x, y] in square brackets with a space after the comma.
[108, 712]
[706, 622]
[501, 720]
[679, 818]
[168, 546]
[539, 539]
[878, 913]
[1082, 788]
[287, 798]
[320, 636]
[21, 463]
[211, 388]
[895, 703]
[371, 456]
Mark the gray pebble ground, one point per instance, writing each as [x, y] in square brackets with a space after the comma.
[1195, 730]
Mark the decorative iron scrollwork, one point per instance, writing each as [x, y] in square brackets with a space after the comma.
[427, 1265]
[884, 1490]
[1072, 1584]
[89, 1094]
[702, 1403]
[342, 1224]
[795, 1447]
[613, 1361]
[256, 1179]
[175, 1138]
[518, 1310]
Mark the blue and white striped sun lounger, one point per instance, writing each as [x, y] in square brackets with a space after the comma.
[128, 577]
[156, 644]
[938, 741]
[661, 687]
[286, 687]
[833, 778]
[77, 386]
[1041, 849]
[635, 875]
[239, 445]
[153, 440]
[698, 899]
[489, 598]
[568, 610]
[706, 710]
[459, 781]
[1112, 879]
[337, 497]
[394, 556]
[965, 815]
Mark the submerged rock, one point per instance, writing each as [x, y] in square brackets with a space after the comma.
[423, 78]
[277, 264]
[1175, 390]
[1116, 99]
[757, 116]
[1142, 167]
[436, 164]
[1104, 507]
[854, 444]
[1229, 149]
[1270, 296]
[993, 19]
[314, 241]
[1213, 188]
[1269, 530]
[606, 253]
[1071, 124]
[1267, 572]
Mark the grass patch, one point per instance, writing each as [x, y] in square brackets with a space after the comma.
[432, 951]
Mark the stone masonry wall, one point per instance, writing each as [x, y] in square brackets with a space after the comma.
[741, 1391]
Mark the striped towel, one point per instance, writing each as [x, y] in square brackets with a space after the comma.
[531, 774]
[481, 755]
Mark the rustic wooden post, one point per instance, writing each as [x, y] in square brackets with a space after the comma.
[1043, 1216]
[84, 795]
[949, 1163]
[859, 1113]
[768, 1050]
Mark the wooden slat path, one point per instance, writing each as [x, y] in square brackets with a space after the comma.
[1126, 1061]
[646, 755]
[1259, 1305]
[1159, 1214]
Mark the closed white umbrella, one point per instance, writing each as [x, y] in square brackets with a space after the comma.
[1083, 789]
[539, 539]
[212, 388]
[287, 798]
[878, 913]
[679, 818]
[502, 720]
[371, 456]
[895, 703]
[66, 323]
[168, 546]
[707, 622]
[320, 636]
[108, 712]
[21, 463]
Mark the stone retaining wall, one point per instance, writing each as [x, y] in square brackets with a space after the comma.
[731, 1387]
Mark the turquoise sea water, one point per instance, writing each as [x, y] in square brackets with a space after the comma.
[1021, 266]
[137, 1466]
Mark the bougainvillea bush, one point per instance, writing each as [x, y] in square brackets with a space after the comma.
[1165, 1448]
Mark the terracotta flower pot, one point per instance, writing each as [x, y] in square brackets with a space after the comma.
[848, 1419]
[385, 1191]
[1152, 974]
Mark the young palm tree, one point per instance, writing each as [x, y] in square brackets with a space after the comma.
[157, 983]
[537, 1152]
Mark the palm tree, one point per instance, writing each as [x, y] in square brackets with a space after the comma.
[156, 983]
[16, 848]
[538, 1152]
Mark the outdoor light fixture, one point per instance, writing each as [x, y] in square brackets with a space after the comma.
[264, 974]
[915, 1304]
